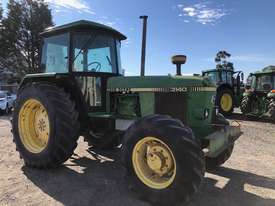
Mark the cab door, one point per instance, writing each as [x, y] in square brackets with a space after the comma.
[94, 60]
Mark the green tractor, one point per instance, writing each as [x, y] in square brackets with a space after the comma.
[166, 126]
[229, 84]
[259, 97]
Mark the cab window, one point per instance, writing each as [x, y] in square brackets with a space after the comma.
[224, 76]
[55, 54]
[212, 76]
[94, 52]
[229, 77]
[264, 83]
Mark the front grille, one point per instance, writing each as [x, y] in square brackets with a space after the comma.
[173, 104]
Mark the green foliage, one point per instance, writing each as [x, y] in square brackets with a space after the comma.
[221, 60]
[20, 34]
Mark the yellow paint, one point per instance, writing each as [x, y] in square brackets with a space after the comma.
[34, 126]
[154, 163]
[226, 102]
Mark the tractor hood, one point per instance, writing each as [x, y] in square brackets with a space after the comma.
[156, 82]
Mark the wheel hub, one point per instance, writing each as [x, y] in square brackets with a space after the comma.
[34, 126]
[158, 159]
[154, 163]
[226, 102]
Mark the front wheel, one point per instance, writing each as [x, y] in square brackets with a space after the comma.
[164, 162]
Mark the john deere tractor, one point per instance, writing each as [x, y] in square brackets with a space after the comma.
[259, 97]
[167, 125]
[229, 84]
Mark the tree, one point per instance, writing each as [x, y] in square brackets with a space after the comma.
[25, 20]
[222, 61]
[1, 13]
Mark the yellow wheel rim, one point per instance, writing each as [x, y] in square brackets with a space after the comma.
[226, 102]
[154, 163]
[34, 126]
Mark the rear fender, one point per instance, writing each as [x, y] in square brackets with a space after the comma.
[66, 82]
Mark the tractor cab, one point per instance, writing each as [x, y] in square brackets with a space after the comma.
[261, 81]
[89, 52]
[259, 96]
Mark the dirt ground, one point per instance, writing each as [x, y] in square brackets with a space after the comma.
[89, 178]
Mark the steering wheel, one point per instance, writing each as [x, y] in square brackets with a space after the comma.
[95, 68]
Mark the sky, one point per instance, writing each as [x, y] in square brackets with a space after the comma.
[198, 29]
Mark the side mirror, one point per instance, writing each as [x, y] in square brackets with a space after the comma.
[178, 60]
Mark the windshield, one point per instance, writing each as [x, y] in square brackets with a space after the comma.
[94, 52]
[212, 76]
[265, 83]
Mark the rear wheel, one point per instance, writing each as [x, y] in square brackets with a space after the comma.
[164, 162]
[271, 109]
[45, 125]
[225, 102]
[214, 163]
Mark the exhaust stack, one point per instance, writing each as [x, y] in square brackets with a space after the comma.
[143, 49]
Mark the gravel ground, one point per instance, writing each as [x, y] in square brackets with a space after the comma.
[89, 178]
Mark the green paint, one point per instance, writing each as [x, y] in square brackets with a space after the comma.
[157, 82]
[197, 103]
[147, 103]
[127, 105]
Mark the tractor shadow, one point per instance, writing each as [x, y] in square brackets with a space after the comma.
[101, 182]
[241, 117]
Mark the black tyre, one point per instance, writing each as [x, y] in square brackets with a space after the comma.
[225, 102]
[214, 163]
[271, 110]
[45, 125]
[171, 169]
[246, 106]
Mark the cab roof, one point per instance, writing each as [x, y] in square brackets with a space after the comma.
[82, 24]
[266, 70]
[217, 70]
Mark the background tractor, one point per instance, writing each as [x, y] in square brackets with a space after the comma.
[167, 125]
[229, 83]
[259, 97]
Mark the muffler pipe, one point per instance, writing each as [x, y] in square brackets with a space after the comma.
[143, 48]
